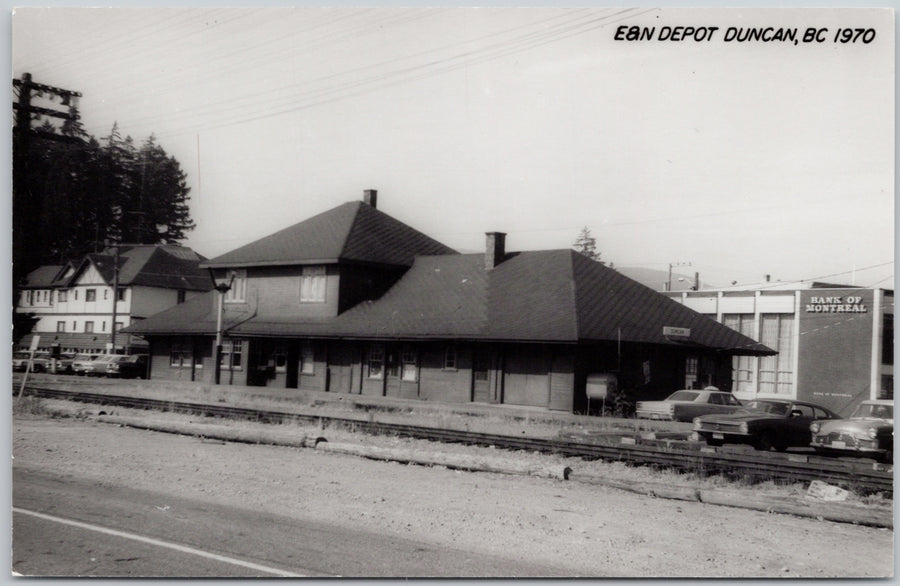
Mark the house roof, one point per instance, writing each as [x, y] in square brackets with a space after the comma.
[354, 231]
[556, 296]
[42, 277]
[166, 266]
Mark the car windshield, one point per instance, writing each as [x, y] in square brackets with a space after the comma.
[683, 396]
[873, 410]
[768, 407]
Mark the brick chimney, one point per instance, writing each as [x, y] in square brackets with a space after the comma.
[370, 196]
[495, 249]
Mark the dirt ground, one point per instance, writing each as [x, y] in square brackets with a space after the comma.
[594, 531]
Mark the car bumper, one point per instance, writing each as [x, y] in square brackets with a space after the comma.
[848, 444]
[657, 415]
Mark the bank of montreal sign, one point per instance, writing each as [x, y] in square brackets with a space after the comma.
[836, 304]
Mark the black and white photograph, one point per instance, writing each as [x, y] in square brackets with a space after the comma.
[451, 292]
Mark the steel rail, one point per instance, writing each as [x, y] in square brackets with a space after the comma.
[682, 455]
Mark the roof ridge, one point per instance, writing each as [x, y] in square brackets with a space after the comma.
[351, 226]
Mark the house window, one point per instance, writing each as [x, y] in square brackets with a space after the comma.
[118, 326]
[90, 295]
[76, 294]
[120, 294]
[74, 326]
[29, 297]
[238, 291]
[103, 326]
[60, 326]
[88, 327]
[61, 296]
[375, 361]
[450, 358]
[409, 364]
[307, 358]
[312, 285]
[105, 294]
[231, 356]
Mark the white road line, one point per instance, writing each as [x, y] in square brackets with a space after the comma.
[157, 542]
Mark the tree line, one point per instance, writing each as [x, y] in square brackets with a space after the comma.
[74, 193]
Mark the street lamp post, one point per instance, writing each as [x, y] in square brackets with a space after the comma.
[222, 288]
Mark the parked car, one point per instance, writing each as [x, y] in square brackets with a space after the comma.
[40, 363]
[764, 424]
[81, 362]
[868, 431]
[100, 365]
[134, 366]
[64, 363]
[687, 404]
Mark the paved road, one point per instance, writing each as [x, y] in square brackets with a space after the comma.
[69, 527]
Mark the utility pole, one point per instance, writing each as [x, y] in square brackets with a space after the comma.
[674, 264]
[115, 297]
[27, 209]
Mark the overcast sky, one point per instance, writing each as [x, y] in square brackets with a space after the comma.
[743, 159]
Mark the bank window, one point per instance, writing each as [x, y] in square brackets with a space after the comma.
[743, 368]
[60, 326]
[409, 364]
[375, 361]
[90, 295]
[450, 358]
[887, 387]
[231, 357]
[88, 327]
[238, 291]
[776, 373]
[312, 285]
[307, 358]
[887, 339]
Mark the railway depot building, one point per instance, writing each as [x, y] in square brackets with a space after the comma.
[835, 343]
[354, 301]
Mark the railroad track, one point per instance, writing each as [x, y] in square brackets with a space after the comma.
[861, 475]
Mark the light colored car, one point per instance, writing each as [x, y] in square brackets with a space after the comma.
[687, 404]
[100, 365]
[81, 362]
[868, 431]
[40, 363]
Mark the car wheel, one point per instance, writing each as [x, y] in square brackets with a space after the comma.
[763, 442]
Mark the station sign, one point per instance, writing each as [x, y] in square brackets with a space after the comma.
[676, 332]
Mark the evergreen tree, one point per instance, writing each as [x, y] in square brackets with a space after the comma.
[586, 244]
[76, 194]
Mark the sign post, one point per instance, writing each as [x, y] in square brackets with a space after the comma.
[34, 346]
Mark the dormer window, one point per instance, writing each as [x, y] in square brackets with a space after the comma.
[238, 291]
[312, 285]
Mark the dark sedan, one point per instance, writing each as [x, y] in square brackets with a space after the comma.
[764, 424]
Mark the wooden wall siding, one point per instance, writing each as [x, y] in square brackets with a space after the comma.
[340, 364]
[527, 376]
[438, 384]
[318, 380]
[274, 290]
[562, 380]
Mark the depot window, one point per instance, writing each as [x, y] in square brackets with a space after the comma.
[312, 285]
[450, 358]
[238, 291]
[375, 361]
[409, 364]
[307, 358]
[231, 357]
